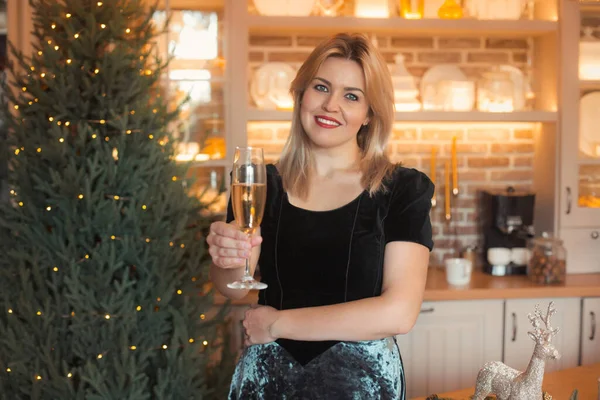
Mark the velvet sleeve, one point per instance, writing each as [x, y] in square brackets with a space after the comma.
[408, 218]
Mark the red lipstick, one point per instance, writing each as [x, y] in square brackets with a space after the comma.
[321, 120]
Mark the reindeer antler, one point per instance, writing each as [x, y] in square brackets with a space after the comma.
[536, 319]
[549, 330]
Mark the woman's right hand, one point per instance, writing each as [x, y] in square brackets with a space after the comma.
[228, 246]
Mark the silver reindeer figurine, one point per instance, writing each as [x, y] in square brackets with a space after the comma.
[509, 384]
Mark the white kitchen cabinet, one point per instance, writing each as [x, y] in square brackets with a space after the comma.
[583, 249]
[590, 331]
[449, 343]
[518, 346]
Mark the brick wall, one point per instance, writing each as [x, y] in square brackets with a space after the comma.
[491, 156]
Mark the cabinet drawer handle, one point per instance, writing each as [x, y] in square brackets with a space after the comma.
[514, 331]
[593, 323]
[427, 310]
[568, 200]
[595, 235]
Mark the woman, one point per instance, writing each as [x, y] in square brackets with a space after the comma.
[344, 244]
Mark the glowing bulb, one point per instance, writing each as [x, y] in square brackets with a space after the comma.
[191, 340]
[80, 196]
[205, 343]
[102, 26]
[72, 313]
[99, 4]
[202, 316]
[174, 178]
[150, 136]
[55, 269]
[50, 119]
[138, 308]
[16, 106]
[94, 136]
[171, 244]
[56, 48]
[158, 299]
[69, 375]
[13, 192]
[133, 347]
[67, 123]
[99, 356]
[39, 150]
[194, 279]
[116, 197]
[164, 346]
[53, 26]
[76, 35]
[87, 256]
[102, 121]
[179, 291]
[32, 68]
[127, 30]
[154, 111]
[107, 316]
[69, 61]
[59, 123]
[10, 311]
[49, 41]
[96, 70]
[68, 15]
[39, 313]
[38, 377]
[8, 370]
[48, 208]
[43, 75]
[147, 240]
[129, 131]
[20, 204]
[24, 89]
[113, 237]
[144, 207]
[182, 246]
[132, 112]
[39, 53]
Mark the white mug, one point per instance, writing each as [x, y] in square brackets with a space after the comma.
[458, 271]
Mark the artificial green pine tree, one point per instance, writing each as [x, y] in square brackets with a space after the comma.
[103, 267]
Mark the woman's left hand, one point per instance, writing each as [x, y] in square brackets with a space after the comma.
[258, 323]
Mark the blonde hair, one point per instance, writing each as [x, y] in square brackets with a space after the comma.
[296, 162]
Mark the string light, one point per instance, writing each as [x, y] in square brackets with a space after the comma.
[127, 30]
[39, 150]
[87, 256]
[80, 196]
[39, 53]
[202, 316]
[39, 313]
[16, 106]
[32, 68]
[59, 123]
[48, 208]
[179, 291]
[128, 131]
[182, 246]
[8, 370]
[67, 123]
[171, 244]
[10, 311]
[68, 15]
[96, 70]
[24, 89]
[138, 308]
[174, 179]
[69, 61]
[53, 26]
[116, 197]
[99, 4]
[20, 204]
[205, 343]
[144, 207]
[69, 375]
[113, 237]
[55, 269]
[102, 122]
[76, 36]
[164, 346]
[133, 347]
[106, 139]
[51, 119]
[38, 377]
[99, 356]
[150, 136]
[49, 41]
[102, 26]
[191, 340]
[147, 240]
[107, 316]
[43, 75]
[56, 47]
[94, 136]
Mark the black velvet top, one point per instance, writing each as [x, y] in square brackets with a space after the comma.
[313, 258]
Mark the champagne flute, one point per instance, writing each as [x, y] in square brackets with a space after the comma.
[248, 197]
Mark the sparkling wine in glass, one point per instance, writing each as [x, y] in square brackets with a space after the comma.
[248, 197]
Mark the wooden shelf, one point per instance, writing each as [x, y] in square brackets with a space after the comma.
[431, 116]
[397, 25]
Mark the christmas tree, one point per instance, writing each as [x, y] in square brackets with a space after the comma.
[103, 267]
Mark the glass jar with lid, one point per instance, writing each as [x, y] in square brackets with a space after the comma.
[547, 263]
[495, 91]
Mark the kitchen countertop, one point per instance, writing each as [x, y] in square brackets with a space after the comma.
[484, 286]
[558, 384]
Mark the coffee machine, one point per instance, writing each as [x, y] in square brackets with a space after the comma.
[507, 224]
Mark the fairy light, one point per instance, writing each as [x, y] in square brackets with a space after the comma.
[144, 207]
[10, 311]
[38, 377]
[59, 123]
[191, 340]
[56, 47]
[106, 139]
[116, 197]
[76, 36]
[182, 246]
[158, 299]
[127, 30]
[39, 149]
[43, 75]
[67, 123]
[128, 131]
[32, 68]
[171, 244]
[87, 256]
[179, 291]
[68, 15]
[49, 41]
[113, 237]
[8, 370]
[164, 346]
[102, 121]
[53, 26]
[194, 279]
[132, 112]
[55, 269]
[205, 343]
[99, 4]
[51, 119]
[99, 356]
[202, 316]
[138, 308]
[48, 208]
[103, 26]
[174, 179]
[12, 191]
[24, 89]
[40, 53]
[69, 375]
[20, 204]
[39, 313]
[96, 71]
[72, 313]
[150, 136]
[147, 240]
[107, 316]
[154, 111]
[80, 196]
[133, 347]
[94, 136]
[69, 61]
[16, 106]
[30, 103]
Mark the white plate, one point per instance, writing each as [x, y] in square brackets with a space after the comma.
[270, 85]
[589, 120]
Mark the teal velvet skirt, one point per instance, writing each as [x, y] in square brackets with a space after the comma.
[365, 370]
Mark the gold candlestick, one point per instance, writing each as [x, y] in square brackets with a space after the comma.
[454, 168]
[447, 192]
